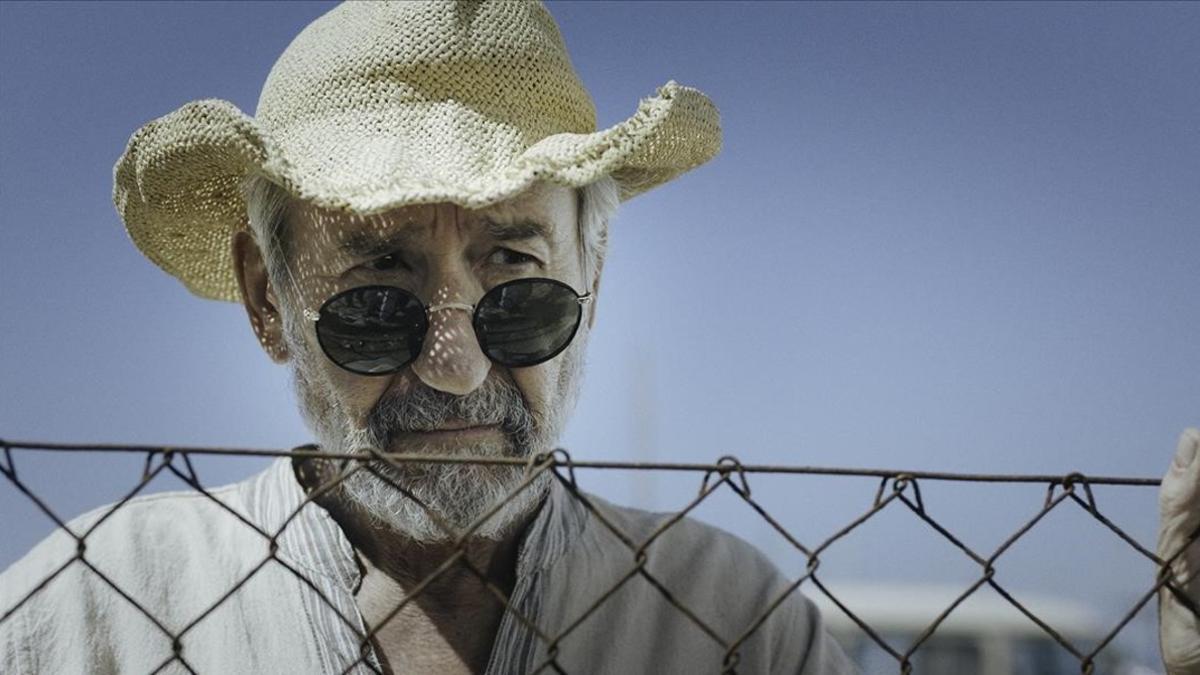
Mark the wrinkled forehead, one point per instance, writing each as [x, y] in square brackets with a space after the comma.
[545, 211]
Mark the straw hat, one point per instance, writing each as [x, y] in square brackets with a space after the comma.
[377, 105]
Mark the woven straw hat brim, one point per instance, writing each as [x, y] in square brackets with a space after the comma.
[177, 186]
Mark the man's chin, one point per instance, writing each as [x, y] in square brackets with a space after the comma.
[435, 503]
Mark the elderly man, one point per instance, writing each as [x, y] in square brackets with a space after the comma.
[415, 222]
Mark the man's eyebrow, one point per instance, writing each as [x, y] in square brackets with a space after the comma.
[367, 244]
[516, 229]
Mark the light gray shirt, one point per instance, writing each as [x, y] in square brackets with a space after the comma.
[290, 608]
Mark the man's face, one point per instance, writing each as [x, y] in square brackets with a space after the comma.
[452, 399]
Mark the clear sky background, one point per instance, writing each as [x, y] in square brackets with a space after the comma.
[943, 237]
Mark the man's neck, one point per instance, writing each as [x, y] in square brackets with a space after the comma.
[437, 607]
[449, 574]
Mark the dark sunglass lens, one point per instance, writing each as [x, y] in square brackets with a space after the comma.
[525, 322]
[374, 330]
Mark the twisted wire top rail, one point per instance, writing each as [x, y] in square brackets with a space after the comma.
[556, 460]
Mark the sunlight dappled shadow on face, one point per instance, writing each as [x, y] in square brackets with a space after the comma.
[446, 257]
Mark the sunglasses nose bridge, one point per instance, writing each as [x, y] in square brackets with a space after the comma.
[469, 309]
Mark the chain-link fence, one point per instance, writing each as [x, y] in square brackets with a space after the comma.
[894, 489]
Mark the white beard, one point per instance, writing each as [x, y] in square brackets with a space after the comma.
[457, 494]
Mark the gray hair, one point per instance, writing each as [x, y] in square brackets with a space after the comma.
[267, 208]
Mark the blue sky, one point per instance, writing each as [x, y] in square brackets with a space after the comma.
[958, 237]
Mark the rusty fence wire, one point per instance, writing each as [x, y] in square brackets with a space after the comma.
[895, 489]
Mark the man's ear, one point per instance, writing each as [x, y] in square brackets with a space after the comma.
[257, 295]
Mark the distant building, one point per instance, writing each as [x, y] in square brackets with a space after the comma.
[985, 635]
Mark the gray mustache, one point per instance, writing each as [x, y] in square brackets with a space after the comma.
[423, 408]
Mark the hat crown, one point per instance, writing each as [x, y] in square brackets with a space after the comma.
[504, 60]
[377, 105]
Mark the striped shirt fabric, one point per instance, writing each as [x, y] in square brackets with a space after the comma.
[315, 543]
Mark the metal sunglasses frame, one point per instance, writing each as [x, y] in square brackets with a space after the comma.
[582, 300]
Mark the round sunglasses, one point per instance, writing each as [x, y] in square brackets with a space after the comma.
[378, 330]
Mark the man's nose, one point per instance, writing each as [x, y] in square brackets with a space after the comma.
[451, 359]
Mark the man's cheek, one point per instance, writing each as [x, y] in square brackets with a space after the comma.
[534, 387]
